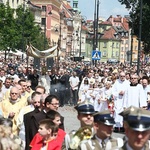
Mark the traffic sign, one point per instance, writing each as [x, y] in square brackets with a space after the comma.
[96, 55]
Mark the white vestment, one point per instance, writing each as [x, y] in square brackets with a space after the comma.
[119, 100]
[135, 96]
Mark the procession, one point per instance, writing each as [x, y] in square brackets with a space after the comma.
[70, 79]
[108, 98]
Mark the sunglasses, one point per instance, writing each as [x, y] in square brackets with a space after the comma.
[28, 86]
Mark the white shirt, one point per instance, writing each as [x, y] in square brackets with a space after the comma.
[74, 82]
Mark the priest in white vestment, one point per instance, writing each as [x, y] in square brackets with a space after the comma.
[118, 92]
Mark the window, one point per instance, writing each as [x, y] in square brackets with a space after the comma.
[44, 8]
[75, 5]
[13, 3]
[43, 21]
[113, 54]
[122, 56]
[105, 44]
[113, 45]
[104, 53]
[121, 48]
[117, 53]
[135, 56]
[126, 41]
[117, 45]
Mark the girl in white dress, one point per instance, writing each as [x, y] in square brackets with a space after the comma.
[83, 90]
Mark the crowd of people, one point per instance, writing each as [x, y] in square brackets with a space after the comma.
[107, 97]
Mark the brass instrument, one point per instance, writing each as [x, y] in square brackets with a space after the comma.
[84, 133]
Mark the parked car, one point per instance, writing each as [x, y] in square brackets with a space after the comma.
[112, 61]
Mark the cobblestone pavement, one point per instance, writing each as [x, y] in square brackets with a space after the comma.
[71, 122]
[70, 118]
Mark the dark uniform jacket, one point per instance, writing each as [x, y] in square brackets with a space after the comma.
[93, 144]
[147, 146]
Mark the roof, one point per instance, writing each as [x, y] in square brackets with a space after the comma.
[106, 23]
[109, 34]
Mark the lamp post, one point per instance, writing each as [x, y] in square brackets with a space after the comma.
[96, 19]
[83, 20]
[132, 19]
[112, 55]
[139, 38]
[23, 43]
[23, 30]
[131, 44]
[94, 27]
[97, 23]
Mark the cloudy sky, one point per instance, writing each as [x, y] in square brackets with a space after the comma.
[106, 8]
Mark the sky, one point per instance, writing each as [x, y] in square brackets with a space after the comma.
[106, 8]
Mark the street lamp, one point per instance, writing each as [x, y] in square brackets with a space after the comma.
[139, 38]
[97, 23]
[112, 55]
[132, 31]
[83, 20]
[96, 18]
[23, 47]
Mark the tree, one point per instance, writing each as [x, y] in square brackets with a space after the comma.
[28, 30]
[17, 27]
[135, 14]
[8, 35]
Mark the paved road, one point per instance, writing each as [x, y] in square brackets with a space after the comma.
[71, 122]
[70, 118]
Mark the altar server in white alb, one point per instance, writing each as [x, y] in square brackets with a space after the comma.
[118, 90]
[135, 96]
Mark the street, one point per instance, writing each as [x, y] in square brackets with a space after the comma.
[71, 122]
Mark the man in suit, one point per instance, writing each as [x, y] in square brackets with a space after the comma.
[137, 128]
[27, 117]
[103, 124]
[50, 102]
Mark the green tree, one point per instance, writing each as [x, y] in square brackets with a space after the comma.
[28, 30]
[134, 6]
[8, 37]
[17, 27]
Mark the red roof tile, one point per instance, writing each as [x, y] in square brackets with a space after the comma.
[106, 23]
[109, 34]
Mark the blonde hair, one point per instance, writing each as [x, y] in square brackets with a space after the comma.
[6, 140]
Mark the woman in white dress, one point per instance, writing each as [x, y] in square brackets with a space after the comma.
[83, 90]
